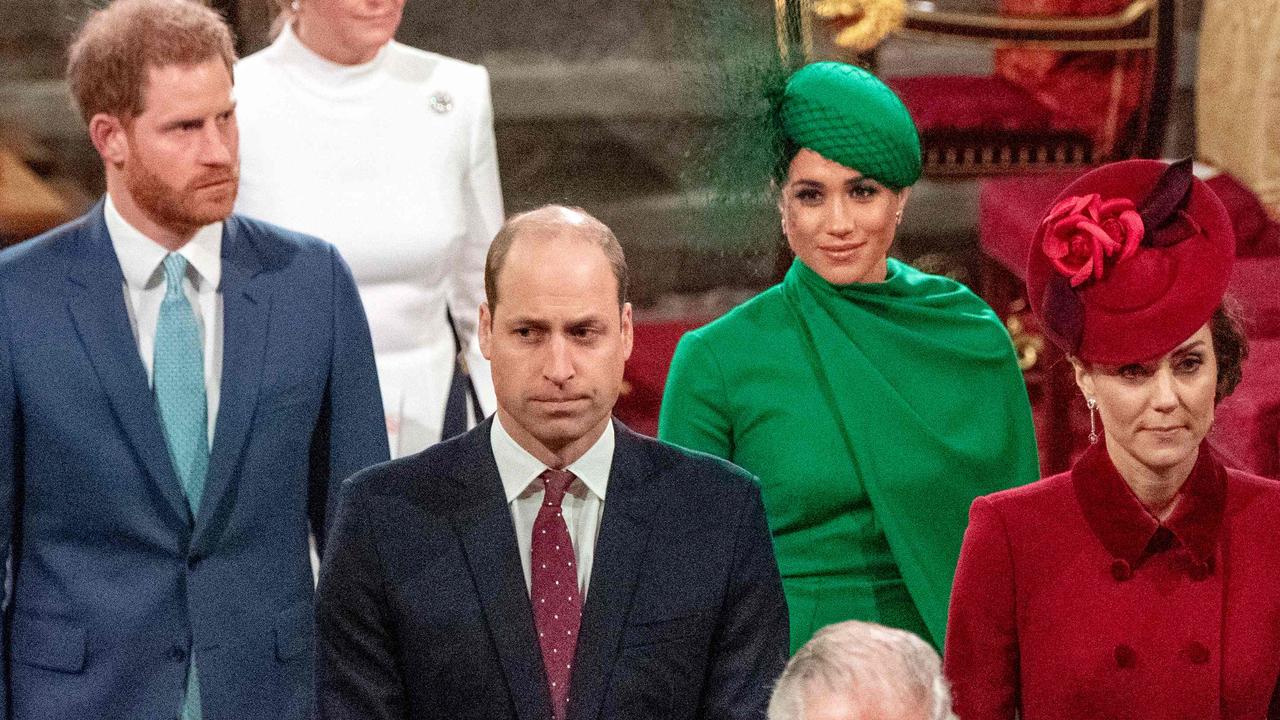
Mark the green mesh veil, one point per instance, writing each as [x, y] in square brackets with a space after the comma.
[765, 107]
[734, 77]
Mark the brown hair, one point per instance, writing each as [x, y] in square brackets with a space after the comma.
[550, 219]
[1230, 345]
[111, 55]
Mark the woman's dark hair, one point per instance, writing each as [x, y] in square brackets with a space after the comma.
[1230, 345]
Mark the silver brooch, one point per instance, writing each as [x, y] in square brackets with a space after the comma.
[441, 102]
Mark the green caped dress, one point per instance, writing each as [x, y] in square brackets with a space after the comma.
[873, 414]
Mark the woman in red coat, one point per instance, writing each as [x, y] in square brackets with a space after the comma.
[1145, 582]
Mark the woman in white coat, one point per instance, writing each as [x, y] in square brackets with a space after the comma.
[387, 152]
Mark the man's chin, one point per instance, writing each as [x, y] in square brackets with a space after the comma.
[190, 216]
[211, 212]
[555, 431]
[559, 431]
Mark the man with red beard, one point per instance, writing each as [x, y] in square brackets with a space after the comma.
[181, 391]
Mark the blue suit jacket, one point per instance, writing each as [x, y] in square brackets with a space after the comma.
[423, 611]
[114, 584]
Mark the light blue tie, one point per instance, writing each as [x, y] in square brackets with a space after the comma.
[178, 375]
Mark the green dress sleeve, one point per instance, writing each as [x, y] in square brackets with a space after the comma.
[694, 413]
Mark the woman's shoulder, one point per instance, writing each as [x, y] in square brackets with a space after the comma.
[1253, 493]
[1034, 497]
[736, 340]
[416, 63]
[1245, 478]
[765, 312]
[941, 291]
[1026, 516]
[256, 67]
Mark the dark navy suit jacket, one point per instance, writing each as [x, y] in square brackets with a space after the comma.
[423, 611]
[114, 583]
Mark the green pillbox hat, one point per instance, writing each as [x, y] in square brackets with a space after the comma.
[846, 114]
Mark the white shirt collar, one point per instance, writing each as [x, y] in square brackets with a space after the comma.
[519, 469]
[140, 256]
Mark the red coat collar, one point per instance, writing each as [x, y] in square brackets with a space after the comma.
[1128, 531]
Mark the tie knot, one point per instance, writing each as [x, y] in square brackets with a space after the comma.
[555, 482]
[175, 268]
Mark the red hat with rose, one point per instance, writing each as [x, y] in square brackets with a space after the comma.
[1132, 258]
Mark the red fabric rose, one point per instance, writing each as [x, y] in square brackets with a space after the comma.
[1084, 234]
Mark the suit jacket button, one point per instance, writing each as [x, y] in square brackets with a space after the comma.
[178, 655]
[1197, 652]
[193, 562]
[1125, 656]
[1120, 570]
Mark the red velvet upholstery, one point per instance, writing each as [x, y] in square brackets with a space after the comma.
[1253, 284]
[963, 102]
[646, 373]
[1257, 235]
[1246, 428]
[1010, 208]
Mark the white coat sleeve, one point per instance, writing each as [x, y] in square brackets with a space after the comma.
[483, 208]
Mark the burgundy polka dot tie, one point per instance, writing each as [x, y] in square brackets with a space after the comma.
[557, 606]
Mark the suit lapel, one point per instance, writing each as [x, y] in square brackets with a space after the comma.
[624, 532]
[97, 306]
[489, 542]
[246, 310]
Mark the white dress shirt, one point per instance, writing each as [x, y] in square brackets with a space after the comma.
[583, 504]
[140, 261]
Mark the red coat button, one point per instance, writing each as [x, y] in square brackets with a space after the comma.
[1121, 571]
[1199, 571]
[1197, 652]
[1125, 656]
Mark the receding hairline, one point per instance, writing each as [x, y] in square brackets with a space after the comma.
[553, 223]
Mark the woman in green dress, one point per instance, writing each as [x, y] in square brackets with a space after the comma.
[873, 401]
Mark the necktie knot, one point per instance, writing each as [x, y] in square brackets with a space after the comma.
[555, 483]
[175, 268]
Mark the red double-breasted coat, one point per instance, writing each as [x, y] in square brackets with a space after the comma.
[1071, 601]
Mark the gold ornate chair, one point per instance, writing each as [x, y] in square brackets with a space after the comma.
[1074, 82]
[28, 206]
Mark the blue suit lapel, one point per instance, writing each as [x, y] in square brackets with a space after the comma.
[97, 306]
[489, 543]
[246, 311]
[624, 533]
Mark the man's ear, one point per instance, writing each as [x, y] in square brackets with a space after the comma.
[109, 138]
[485, 330]
[628, 331]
